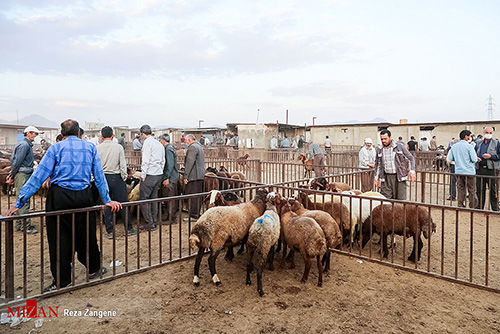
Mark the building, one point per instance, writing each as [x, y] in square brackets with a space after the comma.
[354, 134]
[252, 135]
[11, 134]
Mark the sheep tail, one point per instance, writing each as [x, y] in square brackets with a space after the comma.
[194, 241]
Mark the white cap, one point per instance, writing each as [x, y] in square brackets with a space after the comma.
[368, 141]
[31, 128]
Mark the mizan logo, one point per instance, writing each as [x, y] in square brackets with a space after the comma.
[31, 310]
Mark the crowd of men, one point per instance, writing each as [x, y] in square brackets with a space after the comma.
[81, 172]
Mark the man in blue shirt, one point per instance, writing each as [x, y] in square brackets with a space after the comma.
[318, 157]
[465, 158]
[22, 162]
[70, 164]
[488, 151]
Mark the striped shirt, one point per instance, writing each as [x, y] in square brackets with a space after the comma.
[388, 158]
[70, 165]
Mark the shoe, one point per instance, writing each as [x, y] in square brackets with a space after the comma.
[148, 227]
[98, 273]
[131, 231]
[53, 287]
[451, 199]
[109, 235]
[31, 230]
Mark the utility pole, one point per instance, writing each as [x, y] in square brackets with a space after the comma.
[314, 118]
[199, 123]
[287, 116]
[490, 108]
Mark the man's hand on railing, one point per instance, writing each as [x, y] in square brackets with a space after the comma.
[9, 179]
[412, 176]
[115, 206]
[11, 211]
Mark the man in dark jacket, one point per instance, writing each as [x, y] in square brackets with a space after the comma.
[170, 176]
[394, 164]
[194, 174]
[488, 151]
[22, 161]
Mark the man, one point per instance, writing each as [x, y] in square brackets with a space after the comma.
[170, 176]
[194, 174]
[433, 144]
[412, 144]
[70, 165]
[300, 143]
[424, 145]
[115, 171]
[400, 140]
[465, 158]
[121, 141]
[328, 145]
[94, 140]
[22, 162]
[488, 151]
[274, 143]
[367, 162]
[318, 157]
[153, 161]
[136, 144]
[394, 164]
[285, 143]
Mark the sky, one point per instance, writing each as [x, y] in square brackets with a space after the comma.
[177, 62]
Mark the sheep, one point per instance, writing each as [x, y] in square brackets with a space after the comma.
[211, 182]
[216, 198]
[301, 234]
[4, 172]
[338, 211]
[417, 220]
[328, 225]
[223, 172]
[263, 234]
[308, 165]
[223, 226]
[242, 161]
[320, 183]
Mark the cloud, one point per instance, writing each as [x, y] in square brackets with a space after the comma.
[317, 89]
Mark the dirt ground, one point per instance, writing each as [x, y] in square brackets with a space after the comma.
[355, 298]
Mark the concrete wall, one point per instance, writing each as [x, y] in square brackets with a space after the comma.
[355, 134]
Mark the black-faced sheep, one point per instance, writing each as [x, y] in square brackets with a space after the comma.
[262, 236]
[418, 221]
[223, 226]
[328, 225]
[302, 234]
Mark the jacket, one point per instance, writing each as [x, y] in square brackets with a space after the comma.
[366, 156]
[171, 169]
[22, 159]
[493, 149]
[403, 160]
[194, 163]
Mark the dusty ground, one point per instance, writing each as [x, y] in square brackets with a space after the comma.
[355, 298]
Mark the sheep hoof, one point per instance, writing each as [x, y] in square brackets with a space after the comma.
[271, 267]
[261, 293]
[196, 284]
[303, 281]
[218, 283]
[320, 284]
[249, 282]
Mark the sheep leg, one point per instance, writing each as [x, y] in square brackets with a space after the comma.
[326, 261]
[259, 281]
[211, 266]
[416, 241]
[250, 265]
[320, 268]
[290, 259]
[197, 262]
[270, 259]
[242, 247]
[278, 248]
[229, 254]
[284, 253]
[383, 239]
[307, 261]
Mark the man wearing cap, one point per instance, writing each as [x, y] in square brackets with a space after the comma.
[114, 166]
[22, 161]
[70, 164]
[194, 174]
[153, 161]
[170, 175]
[488, 151]
[319, 158]
[367, 162]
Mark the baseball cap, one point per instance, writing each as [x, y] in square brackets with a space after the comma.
[31, 128]
[368, 141]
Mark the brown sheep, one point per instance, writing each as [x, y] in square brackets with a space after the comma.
[417, 220]
[221, 227]
[4, 172]
[242, 161]
[216, 198]
[338, 211]
[211, 182]
[302, 234]
[320, 183]
[308, 165]
[328, 225]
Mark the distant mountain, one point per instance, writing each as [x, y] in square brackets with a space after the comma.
[34, 119]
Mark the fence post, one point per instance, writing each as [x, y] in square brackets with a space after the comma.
[283, 178]
[422, 189]
[9, 260]
[259, 171]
